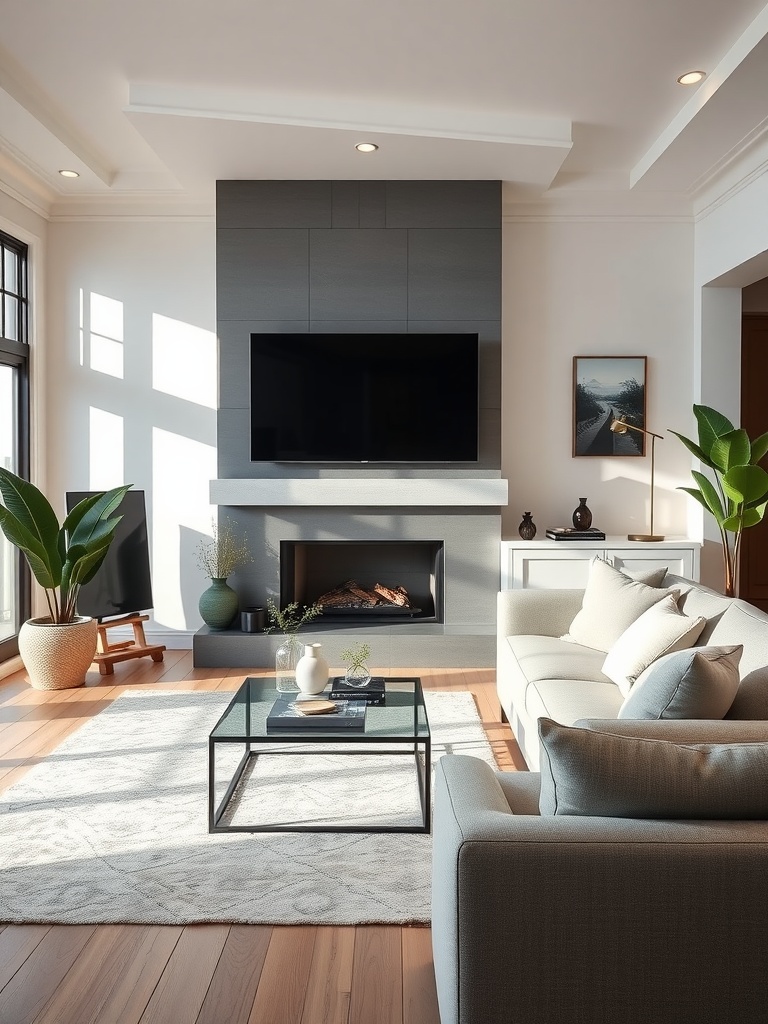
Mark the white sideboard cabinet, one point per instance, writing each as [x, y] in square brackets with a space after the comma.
[546, 564]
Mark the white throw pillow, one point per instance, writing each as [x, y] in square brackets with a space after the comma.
[698, 683]
[660, 630]
[612, 601]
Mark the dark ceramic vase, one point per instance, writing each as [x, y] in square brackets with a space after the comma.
[527, 529]
[582, 517]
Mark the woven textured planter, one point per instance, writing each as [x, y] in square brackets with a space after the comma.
[57, 656]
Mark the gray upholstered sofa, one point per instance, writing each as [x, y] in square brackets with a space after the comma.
[540, 674]
[594, 918]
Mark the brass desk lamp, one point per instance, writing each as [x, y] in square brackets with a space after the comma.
[620, 426]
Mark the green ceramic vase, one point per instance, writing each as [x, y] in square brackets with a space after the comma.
[218, 605]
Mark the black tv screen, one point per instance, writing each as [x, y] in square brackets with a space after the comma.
[123, 584]
[364, 397]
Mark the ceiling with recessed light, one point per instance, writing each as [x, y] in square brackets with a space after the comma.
[157, 99]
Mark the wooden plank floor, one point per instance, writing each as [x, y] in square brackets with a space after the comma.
[207, 974]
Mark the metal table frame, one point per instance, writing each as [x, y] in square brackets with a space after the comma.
[418, 747]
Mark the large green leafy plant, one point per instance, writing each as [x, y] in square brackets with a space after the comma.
[62, 558]
[739, 495]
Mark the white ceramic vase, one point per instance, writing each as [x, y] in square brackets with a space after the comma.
[312, 670]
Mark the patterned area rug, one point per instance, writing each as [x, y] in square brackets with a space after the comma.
[112, 827]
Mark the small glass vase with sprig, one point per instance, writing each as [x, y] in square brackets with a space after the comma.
[355, 658]
[289, 621]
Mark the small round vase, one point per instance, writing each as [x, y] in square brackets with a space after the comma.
[527, 529]
[287, 657]
[357, 675]
[582, 517]
[218, 604]
[312, 669]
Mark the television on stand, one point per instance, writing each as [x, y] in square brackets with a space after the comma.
[381, 398]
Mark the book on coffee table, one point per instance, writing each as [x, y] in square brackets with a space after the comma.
[286, 714]
[372, 693]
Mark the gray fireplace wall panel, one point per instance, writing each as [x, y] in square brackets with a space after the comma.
[361, 257]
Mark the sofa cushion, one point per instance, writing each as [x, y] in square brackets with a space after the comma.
[549, 657]
[611, 602]
[696, 599]
[698, 683]
[661, 629]
[650, 577]
[587, 772]
[567, 700]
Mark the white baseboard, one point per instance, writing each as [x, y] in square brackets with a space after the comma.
[174, 639]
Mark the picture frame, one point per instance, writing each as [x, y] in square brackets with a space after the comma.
[607, 388]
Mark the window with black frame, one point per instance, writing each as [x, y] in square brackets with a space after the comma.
[14, 426]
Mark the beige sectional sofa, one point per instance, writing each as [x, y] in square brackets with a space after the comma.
[627, 881]
[541, 675]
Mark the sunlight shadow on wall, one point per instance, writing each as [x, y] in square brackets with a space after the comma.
[107, 456]
[184, 361]
[181, 469]
[102, 323]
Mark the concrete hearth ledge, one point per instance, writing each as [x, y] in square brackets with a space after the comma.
[368, 491]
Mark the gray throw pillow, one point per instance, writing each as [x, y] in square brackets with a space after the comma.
[587, 772]
[700, 682]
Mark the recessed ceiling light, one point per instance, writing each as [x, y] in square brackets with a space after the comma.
[366, 147]
[691, 77]
[69, 174]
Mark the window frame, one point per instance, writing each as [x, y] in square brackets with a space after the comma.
[16, 354]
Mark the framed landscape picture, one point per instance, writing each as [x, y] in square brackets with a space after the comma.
[607, 388]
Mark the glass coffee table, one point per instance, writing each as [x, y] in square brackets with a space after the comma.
[398, 728]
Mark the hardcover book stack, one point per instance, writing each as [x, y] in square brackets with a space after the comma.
[568, 533]
[372, 693]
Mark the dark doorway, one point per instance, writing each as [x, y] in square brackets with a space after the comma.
[753, 567]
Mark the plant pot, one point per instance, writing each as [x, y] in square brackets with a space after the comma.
[218, 605]
[57, 655]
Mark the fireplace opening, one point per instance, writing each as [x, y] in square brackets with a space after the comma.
[371, 580]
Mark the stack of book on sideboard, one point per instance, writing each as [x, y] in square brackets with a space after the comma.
[567, 533]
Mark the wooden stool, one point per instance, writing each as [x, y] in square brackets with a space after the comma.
[107, 654]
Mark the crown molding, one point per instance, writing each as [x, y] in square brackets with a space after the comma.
[739, 173]
[575, 205]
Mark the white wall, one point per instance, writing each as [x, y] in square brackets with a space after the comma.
[731, 240]
[586, 286]
[131, 383]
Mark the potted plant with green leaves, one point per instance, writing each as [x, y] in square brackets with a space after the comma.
[288, 621]
[739, 494]
[58, 648]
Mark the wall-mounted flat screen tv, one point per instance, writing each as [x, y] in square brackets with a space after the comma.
[123, 584]
[364, 398]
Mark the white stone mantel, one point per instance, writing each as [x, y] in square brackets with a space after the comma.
[362, 491]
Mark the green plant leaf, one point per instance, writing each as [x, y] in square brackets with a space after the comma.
[732, 449]
[753, 516]
[745, 483]
[694, 449]
[47, 575]
[100, 510]
[33, 511]
[712, 424]
[759, 448]
[711, 497]
[79, 511]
